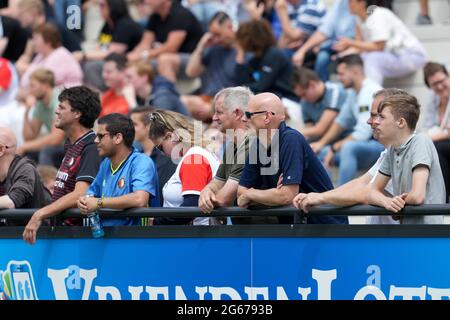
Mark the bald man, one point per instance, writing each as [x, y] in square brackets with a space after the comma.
[20, 183]
[281, 163]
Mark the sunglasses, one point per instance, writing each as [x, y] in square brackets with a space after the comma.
[100, 136]
[249, 114]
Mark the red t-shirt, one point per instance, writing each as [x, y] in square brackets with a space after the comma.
[112, 103]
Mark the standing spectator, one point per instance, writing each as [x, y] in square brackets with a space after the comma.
[151, 89]
[358, 150]
[174, 134]
[47, 149]
[321, 102]
[411, 162]
[214, 59]
[164, 165]
[337, 23]
[114, 100]
[288, 167]
[299, 20]
[230, 105]
[388, 48]
[119, 34]
[126, 178]
[78, 109]
[20, 183]
[436, 117]
[172, 34]
[269, 69]
[51, 55]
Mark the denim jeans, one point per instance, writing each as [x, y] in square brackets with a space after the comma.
[354, 156]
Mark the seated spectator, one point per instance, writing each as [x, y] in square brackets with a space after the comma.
[264, 9]
[115, 100]
[164, 165]
[299, 19]
[355, 191]
[119, 34]
[9, 82]
[388, 48]
[77, 111]
[204, 10]
[288, 167]
[46, 149]
[151, 89]
[48, 176]
[51, 55]
[31, 14]
[337, 23]
[13, 39]
[174, 134]
[171, 36]
[230, 105]
[214, 59]
[20, 183]
[358, 150]
[411, 162]
[126, 178]
[436, 116]
[320, 102]
[269, 69]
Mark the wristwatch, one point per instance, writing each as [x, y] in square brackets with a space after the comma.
[100, 203]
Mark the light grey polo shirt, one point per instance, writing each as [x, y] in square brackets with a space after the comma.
[399, 164]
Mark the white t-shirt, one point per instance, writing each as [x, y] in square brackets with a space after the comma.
[389, 189]
[384, 25]
[194, 171]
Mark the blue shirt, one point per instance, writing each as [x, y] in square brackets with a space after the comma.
[338, 22]
[334, 98]
[137, 172]
[307, 15]
[289, 154]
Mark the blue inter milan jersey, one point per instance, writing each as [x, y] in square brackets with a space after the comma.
[137, 172]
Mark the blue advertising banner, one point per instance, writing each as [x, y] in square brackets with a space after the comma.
[226, 268]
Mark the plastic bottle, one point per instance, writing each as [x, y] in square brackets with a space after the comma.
[96, 225]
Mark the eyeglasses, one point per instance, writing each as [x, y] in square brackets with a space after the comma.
[100, 136]
[249, 114]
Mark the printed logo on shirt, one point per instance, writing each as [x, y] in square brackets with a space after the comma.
[70, 161]
[121, 183]
[363, 109]
[266, 69]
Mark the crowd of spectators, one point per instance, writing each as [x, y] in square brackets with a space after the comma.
[296, 82]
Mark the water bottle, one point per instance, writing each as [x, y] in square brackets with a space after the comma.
[96, 225]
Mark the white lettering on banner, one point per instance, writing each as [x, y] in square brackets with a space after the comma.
[407, 293]
[104, 292]
[70, 278]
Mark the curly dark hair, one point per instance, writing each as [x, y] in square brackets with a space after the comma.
[119, 123]
[84, 100]
[255, 36]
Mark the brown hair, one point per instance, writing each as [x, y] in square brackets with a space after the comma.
[43, 76]
[144, 113]
[143, 68]
[402, 106]
[49, 33]
[302, 76]
[430, 69]
[255, 36]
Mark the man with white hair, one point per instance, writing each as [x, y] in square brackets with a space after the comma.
[230, 105]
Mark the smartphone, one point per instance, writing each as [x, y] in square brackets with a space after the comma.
[22, 282]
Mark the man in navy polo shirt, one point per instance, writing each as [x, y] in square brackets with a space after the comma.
[280, 156]
[126, 178]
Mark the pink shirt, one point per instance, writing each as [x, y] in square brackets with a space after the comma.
[61, 62]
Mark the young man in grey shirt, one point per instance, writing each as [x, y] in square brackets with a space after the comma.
[411, 161]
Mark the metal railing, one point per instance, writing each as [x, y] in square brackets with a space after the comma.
[191, 212]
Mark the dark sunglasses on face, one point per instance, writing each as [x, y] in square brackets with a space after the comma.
[249, 114]
[100, 136]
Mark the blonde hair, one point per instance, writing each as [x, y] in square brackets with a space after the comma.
[44, 76]
[163, 121]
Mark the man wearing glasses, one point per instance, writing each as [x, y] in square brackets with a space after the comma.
[20, 184]
[436, 115]
[126, 179]
[281, 163]
[76, 113]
